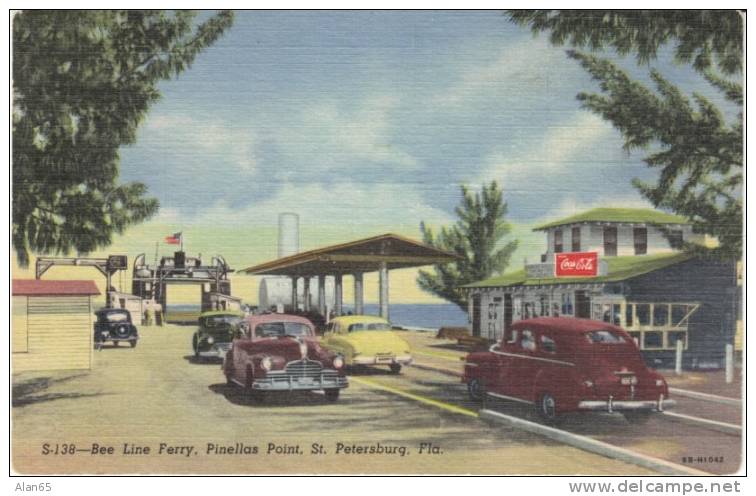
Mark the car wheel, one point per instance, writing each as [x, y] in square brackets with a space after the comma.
[98, 345]
[133, 343]
[395, 368]
[476, 390]
[195, 345]
[332, 394]
[547, 408]
[637, 418]
[122, 331]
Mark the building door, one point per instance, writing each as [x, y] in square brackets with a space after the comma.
[507, 313]
[476, 315]
[582, 305]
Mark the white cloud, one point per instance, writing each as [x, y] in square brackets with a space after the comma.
[526, 64]
[327, 134]
[347, 206]
[556, 152]
[212, 139]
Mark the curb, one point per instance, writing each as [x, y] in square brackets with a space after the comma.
[592, 445]
[702, 422]
[706, 397]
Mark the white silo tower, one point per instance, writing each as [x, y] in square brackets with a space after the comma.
[276, 290]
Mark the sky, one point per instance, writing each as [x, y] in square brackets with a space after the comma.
[369, 122]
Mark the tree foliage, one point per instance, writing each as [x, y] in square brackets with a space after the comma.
[476, 238]
[82, 83]
[698, 153]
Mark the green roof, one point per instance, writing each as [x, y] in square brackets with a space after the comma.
[625, 215]
[619, 269]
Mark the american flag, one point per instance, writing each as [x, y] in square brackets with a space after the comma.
[173, 239]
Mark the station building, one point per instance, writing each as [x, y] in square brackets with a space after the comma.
[643, 282]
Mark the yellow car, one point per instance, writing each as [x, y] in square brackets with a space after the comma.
[366, 340]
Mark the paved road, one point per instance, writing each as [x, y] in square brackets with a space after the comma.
[156, 396]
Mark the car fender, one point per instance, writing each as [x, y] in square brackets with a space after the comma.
[340, 345]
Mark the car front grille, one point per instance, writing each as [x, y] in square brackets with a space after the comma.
[304, 368]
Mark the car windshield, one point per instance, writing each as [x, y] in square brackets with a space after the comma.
[370, 326]
[219, 320]
[274, 329]
[604, 337]
[115, 317]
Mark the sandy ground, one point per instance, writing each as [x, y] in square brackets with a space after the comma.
[156, 396]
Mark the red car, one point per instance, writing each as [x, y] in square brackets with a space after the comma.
[566, 365]
[279, 352]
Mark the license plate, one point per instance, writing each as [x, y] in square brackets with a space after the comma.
[627, 381]
[385, 359]
[305, 380]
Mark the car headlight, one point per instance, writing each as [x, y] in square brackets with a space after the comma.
[266, 363]
[105, 333]
[303, 349]
[210, 340]
[659, 382]
[338, 362]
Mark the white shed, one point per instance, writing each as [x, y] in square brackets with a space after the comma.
[51, 324]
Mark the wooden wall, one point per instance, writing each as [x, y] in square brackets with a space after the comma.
[57, 331]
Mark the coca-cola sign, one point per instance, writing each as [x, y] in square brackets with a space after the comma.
[577, 264]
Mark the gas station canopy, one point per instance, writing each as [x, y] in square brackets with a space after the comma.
[379, 253]
[364, 255]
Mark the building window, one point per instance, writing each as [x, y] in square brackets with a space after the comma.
[610, 241]
[675, 239]
[558, 246]
[629, 315]
[544, 301]
[653, 339]
[566, 304]
[640, 240]
[661, 315]
[643, 314]
[575, 239]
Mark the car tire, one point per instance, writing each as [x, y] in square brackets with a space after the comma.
[98, 345]
[122, 331]
[546, 407]
[133, 343]
[476, 390]
[332, 394]
[195, 346]
[395, 368]
[637, 418]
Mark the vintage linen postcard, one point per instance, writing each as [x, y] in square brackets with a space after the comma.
[377, 242]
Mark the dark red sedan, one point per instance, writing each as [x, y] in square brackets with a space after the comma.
[279, 352]
[562, 365]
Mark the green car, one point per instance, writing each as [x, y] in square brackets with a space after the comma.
[217, 329]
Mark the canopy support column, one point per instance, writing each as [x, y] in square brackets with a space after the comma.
[383, 280]
[338, 294]
[294, 302]
[321, 295]
[306, 294]
[358, 297]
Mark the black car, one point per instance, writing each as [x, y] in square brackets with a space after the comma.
[114, 324]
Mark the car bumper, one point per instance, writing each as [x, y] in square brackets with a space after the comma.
[611, 405]
[107, 337]
[217, 351]
[382, 360]
[287, 382]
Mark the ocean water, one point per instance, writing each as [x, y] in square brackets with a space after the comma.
[429, 316]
